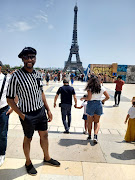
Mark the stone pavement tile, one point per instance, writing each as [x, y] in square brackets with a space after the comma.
[55, 89]
[53, 128]
[59, 177]
[103, 171]
[114, 131]
[69, 168]
[15, 149]
[15, 169]
[61, 129]
[105, 131]
[75, 147]
[77, 129]
[116, 150]
[122, 132]
[72, 129]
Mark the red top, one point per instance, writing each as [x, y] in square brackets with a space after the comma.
[119, 85]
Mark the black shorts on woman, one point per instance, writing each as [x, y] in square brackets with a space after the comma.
[34, 121]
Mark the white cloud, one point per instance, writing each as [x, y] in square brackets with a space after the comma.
[42, 17]
[49, 3]
[51, 26]
[19, 26]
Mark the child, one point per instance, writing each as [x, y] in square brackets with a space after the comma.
[130, 134]
[84, 104]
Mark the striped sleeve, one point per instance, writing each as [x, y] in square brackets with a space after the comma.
[12, 86]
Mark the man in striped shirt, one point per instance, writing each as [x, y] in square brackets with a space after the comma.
[27, 85]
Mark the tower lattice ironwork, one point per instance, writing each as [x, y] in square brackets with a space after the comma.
[74, 65]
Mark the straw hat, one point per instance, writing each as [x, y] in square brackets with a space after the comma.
[133, 99]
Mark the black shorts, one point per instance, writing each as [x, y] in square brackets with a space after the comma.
[35, 120]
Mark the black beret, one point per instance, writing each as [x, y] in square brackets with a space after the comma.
[26, 51]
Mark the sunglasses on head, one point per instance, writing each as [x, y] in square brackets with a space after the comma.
[29, 57]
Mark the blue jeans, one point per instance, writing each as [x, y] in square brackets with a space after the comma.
[3, 129]
[66, 111]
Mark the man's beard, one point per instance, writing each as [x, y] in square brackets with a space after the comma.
[29, 67]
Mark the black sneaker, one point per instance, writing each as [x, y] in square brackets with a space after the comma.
[31, 170]
[89, 137]
[52, 162]
[95, 140]
[66, 132]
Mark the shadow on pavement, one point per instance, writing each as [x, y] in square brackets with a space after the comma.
[125, 142]
[71, 142]
[8, 174]
[126, 155]
[107, 106]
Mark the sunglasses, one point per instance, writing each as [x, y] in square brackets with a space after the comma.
[29, 57]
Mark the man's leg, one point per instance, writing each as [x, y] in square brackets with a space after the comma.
[44, 144]
[63, 114]
[119, 94]
[26, 149]
[115, 97]
[45, 147]
[3, 131]
[69, 115]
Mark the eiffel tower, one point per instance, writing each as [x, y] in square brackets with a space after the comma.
[74, 65]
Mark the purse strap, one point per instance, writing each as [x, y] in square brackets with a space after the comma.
[2, 88]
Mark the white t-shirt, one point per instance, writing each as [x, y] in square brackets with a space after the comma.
[99, 95]
[3, 101]
[84, 104]
[131, 112]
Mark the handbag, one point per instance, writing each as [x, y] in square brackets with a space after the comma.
[2, 88]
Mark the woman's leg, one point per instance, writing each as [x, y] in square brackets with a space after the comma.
[96, 123]
[89, 121]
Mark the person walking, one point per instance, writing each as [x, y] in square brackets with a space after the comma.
[119, 83]
[72, 78]
[47, 78]
[66, 92]
[84, 104]
[4, 114]
[130, 118]
[94, 107]
[32, 106]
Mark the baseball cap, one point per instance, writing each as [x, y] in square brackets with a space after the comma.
[26, 51]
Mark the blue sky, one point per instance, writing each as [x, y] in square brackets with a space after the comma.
[106, 31]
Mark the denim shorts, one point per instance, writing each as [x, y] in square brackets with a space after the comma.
[84, 117]
[35, 120]
[94, 107]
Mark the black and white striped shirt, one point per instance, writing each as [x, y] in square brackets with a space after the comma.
[28, 87]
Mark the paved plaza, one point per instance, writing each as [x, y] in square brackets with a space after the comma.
[110, 159]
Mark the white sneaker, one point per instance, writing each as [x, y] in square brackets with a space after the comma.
[2, 159]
